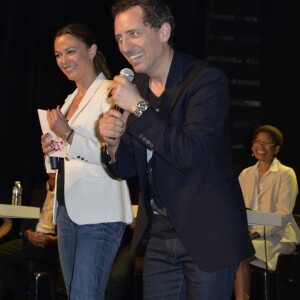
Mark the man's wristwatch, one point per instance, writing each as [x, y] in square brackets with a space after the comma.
[140, 108]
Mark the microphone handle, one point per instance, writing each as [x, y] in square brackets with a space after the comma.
[128, 74]
[54, 162]
[118, 109]
[121, 111]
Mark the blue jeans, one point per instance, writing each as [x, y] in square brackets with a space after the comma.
[170, 273]
[86, 254]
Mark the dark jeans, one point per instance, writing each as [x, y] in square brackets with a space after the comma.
[170, 273]
[18, 250]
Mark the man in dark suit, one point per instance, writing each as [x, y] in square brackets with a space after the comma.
[177, 140]
[38, 243]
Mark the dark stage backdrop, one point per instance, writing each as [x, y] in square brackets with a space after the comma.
[30, 78]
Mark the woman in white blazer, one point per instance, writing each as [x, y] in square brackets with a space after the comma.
[268, 186]
[91, 209]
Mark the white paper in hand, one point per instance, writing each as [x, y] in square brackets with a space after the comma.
[60, 149]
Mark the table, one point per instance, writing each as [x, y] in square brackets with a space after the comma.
[263, 218]
[14, 211]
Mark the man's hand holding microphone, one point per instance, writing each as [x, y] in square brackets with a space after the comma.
[123, 94]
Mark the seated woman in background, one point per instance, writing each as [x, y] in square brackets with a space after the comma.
[268, 186]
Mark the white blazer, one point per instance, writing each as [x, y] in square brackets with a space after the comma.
[91, 196]
[276, 192]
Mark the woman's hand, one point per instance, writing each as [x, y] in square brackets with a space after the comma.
[40, 239]
[254, 235]
[47, 143]
[57, 122]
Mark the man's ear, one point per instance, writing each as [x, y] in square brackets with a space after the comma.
[165, 31]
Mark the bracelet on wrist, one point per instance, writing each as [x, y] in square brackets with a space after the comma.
[68, 135]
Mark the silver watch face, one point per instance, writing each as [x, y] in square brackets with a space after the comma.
[140, 108]
[143, 105]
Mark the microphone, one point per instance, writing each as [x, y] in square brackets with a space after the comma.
[129, 75]
[54, 162]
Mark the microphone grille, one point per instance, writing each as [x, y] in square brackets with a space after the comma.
[128, 73]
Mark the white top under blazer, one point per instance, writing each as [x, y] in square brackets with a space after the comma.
[91, 196]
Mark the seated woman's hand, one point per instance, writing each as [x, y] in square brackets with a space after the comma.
[254, 235]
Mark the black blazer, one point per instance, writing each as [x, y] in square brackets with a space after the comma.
[192, 164]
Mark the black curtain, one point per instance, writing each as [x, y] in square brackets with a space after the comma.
[30, 78]
[280, 64]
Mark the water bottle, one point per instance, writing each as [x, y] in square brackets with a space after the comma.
[16, 198]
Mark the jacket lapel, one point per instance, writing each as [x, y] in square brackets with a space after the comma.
[180, 76]
[85, 100]
[270, 176]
